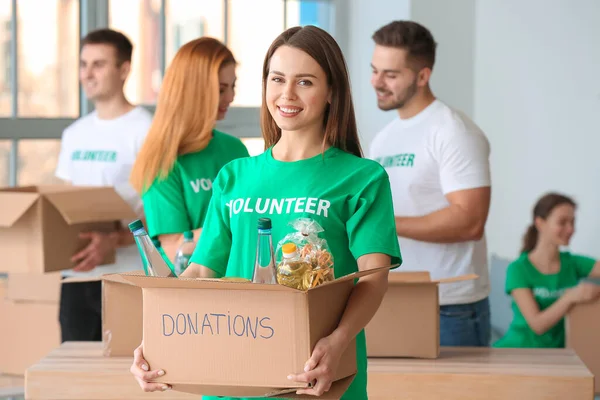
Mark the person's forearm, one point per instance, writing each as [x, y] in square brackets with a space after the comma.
[171, 242]
[448, 225]
[544, 320]
[198, 271]
[362, 305]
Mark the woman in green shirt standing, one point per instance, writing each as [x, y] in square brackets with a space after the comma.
[312, 168]
[546, 282]
[183, 152]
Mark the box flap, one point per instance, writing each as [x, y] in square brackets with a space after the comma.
[338, 388]
[14, 206]
[460, 278]
[356, 275]
[118, 278]
[94, 204]
[423, 277]
[20, 189]
[108, 277]
[409, 276]
[199, 283]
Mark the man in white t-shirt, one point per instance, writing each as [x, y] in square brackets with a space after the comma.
[438, 163]
[99, 150]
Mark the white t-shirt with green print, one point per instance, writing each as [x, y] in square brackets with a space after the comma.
[97, 152]
[434, 153]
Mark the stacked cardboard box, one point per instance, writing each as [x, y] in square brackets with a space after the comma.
[39, 233]
[29, 319]
[582, 332]
[407, 324]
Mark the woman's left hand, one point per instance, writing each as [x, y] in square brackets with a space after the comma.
[320, 369]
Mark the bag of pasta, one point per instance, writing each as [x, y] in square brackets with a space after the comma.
[304, 260]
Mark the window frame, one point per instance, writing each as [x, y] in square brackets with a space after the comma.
[242, 122]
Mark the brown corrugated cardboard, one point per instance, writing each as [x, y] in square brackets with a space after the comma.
[582, 332]
[121, 316]
[407, 324]
[121, 313]
[240, 339]
[29, 331]
[40, 225]
[41, 288]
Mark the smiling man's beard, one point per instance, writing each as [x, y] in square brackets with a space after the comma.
[401, 100]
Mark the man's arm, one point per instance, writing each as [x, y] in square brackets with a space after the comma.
[462, 220]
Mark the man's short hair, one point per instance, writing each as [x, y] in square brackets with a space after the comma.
[119, 41]
[412, 37]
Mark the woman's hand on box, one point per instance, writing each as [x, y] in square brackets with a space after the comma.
[320, 369]
[143, 375]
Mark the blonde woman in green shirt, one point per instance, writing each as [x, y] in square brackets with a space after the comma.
[312, 167]
[183, 152]
[546, 282]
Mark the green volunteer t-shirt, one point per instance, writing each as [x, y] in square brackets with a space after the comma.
[348, 196]
[179, 202]
[546, 288]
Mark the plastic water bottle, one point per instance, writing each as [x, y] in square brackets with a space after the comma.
[153, 260]
[184, 253]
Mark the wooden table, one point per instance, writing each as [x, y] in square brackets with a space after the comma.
[79, 371]
[483, 373]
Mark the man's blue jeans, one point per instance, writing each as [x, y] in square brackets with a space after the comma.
[466, 324]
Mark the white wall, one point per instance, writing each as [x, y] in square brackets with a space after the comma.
[537, 96]
[363, 18]
[452, 24]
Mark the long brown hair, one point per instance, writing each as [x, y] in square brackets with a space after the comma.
[542, 209]
[186, 110]
[339, 122]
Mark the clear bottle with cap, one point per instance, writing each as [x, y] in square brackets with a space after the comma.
[184, 252]
[264, 265]
[292, 270]
[154, 261]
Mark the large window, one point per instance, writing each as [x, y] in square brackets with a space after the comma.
[39, 49]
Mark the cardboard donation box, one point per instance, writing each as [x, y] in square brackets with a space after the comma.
[407, 324]
[228, 338]
[121, 313]
[29, 326]
[582, 332]
[40, 225]
[121, 316]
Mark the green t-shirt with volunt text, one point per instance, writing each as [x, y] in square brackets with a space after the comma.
[179, 202]
[546, 288]
[350, 197]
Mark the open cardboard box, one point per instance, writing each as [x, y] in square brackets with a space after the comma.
[228, 338]
[407, 324]
[582, 327]
[121, 313]
[40, 225]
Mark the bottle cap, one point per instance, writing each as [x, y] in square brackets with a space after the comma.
[264, 223]
[188, 235]
[135, 225]
[288, 249]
